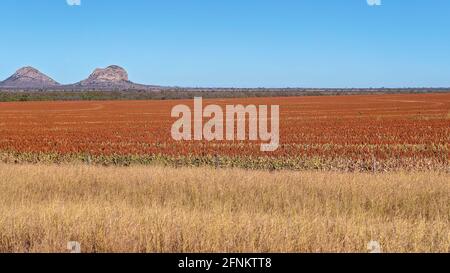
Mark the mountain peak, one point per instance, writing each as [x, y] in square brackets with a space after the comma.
[112, 77]
[111, 74]
[26, 70]
[29, 77]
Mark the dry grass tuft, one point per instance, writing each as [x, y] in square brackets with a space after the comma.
[157, 209]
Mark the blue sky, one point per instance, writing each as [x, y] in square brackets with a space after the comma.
[242, 43]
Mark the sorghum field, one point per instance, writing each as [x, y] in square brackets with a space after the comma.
[361, 132]
[350, 169]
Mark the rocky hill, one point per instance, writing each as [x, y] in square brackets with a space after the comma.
[111, 78]
[29, 77]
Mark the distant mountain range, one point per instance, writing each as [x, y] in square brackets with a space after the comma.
[115, 78]
[111, 78]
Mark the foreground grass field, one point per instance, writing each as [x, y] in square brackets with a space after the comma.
[161, 209]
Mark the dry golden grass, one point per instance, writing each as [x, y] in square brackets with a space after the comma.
[157, 209]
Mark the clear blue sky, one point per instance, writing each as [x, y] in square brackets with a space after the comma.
[247, 43]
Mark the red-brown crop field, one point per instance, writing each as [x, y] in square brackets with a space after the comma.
[340, 131]
[349, 169]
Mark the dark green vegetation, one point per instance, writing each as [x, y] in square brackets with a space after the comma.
[189, 93]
